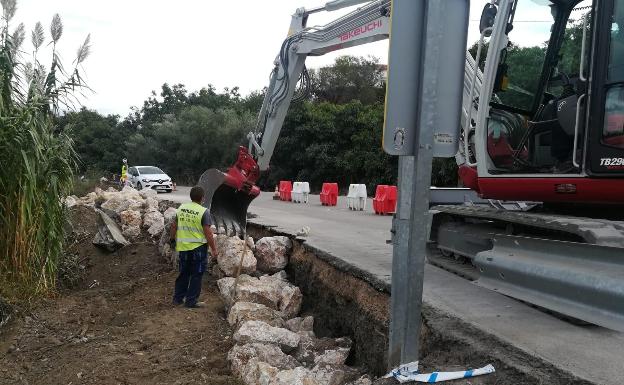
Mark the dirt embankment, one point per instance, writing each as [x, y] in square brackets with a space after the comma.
[344, 304]
[119, 327]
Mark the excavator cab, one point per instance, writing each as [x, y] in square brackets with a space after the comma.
[552, 129]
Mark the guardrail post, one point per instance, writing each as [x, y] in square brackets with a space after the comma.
[423, 99]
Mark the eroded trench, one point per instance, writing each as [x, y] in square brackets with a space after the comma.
[345, 302]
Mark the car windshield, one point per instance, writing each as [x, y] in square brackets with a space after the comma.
[150, 170]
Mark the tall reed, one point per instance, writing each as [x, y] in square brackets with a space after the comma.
[36, 159]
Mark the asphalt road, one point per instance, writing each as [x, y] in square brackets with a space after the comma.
[359, 238]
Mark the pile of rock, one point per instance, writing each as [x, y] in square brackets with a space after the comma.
[124, 216]
[274, 345]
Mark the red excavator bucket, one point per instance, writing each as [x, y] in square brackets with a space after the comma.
[228, 194]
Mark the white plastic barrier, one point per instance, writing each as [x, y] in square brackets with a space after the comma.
[356, 199]
[300, 192]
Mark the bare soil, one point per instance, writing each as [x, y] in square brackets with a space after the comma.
[119, 327]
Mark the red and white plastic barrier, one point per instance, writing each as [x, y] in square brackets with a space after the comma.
[300, 192]
[329, 194]
[385, 199]
[356, 199]
[285, 190]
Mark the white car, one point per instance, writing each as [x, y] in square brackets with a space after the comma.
[141, 177]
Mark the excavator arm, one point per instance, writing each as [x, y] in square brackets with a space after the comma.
[365, 25]
[229, 194]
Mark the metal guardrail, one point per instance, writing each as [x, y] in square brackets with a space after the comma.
[583, 281]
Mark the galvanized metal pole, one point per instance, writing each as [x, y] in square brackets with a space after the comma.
[402, 94]
[426, 77]
[400, 251]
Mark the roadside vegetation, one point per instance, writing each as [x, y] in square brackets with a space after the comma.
[37, 157]
[333, 135]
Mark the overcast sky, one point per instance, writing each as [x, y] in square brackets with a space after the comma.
[137, 45]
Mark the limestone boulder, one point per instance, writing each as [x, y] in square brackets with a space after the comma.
[335, 356]
[241, 354]
[151, 218]
[163, 244]
[169, 214]
[130, 193]
[226, 289]
[148, 193]
[256, 372]
[301, 324]
[70, 201]
[267, 290]
[116, 204]
[364, 380]
[258, 331]
[154, 222]
[230, 253]
[290, 301]
[250, 243]
[130, 218]
[131, 232]
[272, 253]
[102, 196]
[89, 198]
[150, 204]
[262, 291]
[335, 374]
[241, 312]
[296, 376]
[281, 275]
[135, 205]
[157, 228]
[322, 351]
[216, 272]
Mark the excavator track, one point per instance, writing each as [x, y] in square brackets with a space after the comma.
[455, 264]
[569, 265]
[595, 231]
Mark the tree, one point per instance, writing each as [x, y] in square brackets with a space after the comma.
[334, 136]
[350, 78]
[186, 145]
[100, 140]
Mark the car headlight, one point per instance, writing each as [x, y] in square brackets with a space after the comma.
[145, 180]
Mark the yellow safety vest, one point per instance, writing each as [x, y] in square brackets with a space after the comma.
[124, 171]
[190, 233]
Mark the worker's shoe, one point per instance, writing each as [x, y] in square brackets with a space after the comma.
[177, 303]
[196, 305]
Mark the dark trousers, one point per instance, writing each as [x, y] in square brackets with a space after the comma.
[192, 265]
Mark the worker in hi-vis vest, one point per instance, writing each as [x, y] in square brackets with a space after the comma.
[191, 234]
[124, 173]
